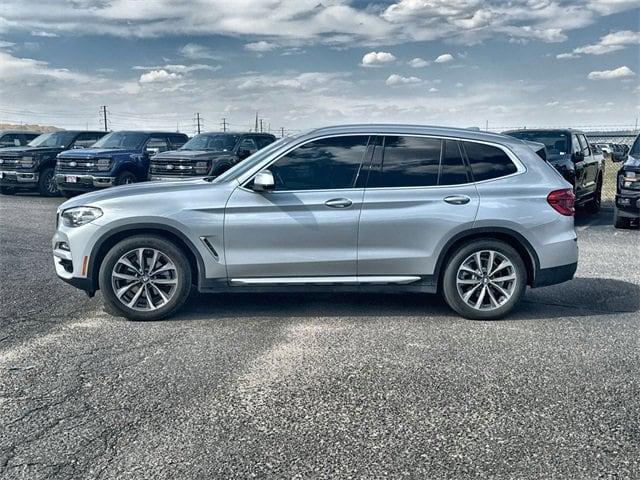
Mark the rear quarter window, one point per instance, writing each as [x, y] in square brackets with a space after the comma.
[487, 161]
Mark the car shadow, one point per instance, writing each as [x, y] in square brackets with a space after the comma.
[581, 297]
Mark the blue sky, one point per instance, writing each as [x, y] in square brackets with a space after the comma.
[304, 63]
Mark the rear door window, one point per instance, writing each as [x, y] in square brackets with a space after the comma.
[10, 140]
[406, 162]
[488, 162]
[453, 170]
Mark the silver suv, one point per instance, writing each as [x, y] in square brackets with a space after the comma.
[388, 208]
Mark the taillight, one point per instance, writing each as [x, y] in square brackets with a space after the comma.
[562, 201]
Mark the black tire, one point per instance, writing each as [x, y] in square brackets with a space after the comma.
[68, 193]
[125, 178]
[167, 248]
[47, 186]
[449, 279]
[220, 169]
[7, 190]
[593, 205]
[620, 221]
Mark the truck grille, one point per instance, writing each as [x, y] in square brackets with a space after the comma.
[11, 161]
[75, 165]
[175, 167]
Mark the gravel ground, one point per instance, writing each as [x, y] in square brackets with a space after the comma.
[322, 386]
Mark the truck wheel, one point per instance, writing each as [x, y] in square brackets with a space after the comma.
[484, 279]
[7, 190]
[47, 186]
[145, 277]
[125, 178]
[620, 221]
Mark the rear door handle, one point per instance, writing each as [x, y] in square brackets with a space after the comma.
[457, 199]
[338, 203]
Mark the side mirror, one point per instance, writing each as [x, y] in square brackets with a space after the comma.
[619, 158]
[263, 182]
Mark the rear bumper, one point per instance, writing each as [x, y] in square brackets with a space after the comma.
[12, 178]
[554, 275]
[83, 182]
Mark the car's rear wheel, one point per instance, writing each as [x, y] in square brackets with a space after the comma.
[145, 278]
[47, 186]
[593, 205]
[484, 279]
[7, 190]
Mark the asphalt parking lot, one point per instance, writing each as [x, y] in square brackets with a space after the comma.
[322, 386]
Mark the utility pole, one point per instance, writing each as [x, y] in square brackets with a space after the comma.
[198, 123]
[281, 132]
[104, 117]
[256, 126]
[224, 124]
[260, 125]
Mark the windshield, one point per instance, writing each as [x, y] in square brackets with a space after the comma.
[557, 143]
[240, 168]
[122, 140]
[212, 142]
[55, 139]
[635, 150]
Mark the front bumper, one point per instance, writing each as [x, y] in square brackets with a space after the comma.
[628, 204]
[83, 182]
[14, 178]
[71, 254]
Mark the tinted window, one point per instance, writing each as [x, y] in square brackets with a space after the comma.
[10, 140]
[584, 145]
[575, 144]
[248, 144]
[125, 140]
[264, 141]
[487, 161]
[156, 145]
[407, 162]
[214, 142]
[85, 140]
[635, 149]
[453, 171]
[557, 143]
[177, 141]
[329, 163]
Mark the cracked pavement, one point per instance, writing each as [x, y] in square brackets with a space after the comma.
[318, 386]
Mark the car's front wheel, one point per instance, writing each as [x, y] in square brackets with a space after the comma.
[484, 279]
[7, 190]
[145, 278]
[619, 221]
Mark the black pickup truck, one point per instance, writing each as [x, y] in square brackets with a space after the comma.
[569, 152]
[31, 167]
[207, 154]
[628, 189]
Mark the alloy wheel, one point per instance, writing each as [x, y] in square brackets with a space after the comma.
[486, 280]
[144, 279]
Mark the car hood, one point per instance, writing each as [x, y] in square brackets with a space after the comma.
[30, 150]
[95, 152]
[195, 154]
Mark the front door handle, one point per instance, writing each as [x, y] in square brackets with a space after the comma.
[338, 203]
[457, 199]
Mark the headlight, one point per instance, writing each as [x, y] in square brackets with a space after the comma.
[76, 216]
[26, 162]
[104, 164]
[629, 180]
[202, 168]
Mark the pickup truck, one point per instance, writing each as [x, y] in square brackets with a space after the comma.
[207, 154]
[31, 167]
[117, 159]
[627, 208]
[569, 152]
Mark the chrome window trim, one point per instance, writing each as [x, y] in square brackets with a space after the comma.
[248, 176]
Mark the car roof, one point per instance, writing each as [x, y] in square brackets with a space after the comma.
[238, 133]
[568, 130]
[29, 132]
[149, 132]
[400, 129]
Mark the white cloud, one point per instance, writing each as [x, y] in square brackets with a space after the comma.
[553, 103]
[433, 89]
[196, 51]
[418, 62]
[395, 79]
[611, 42]
[444, 58]
[620, 72]
[260, 46]
[566, 56]
[156, 76]
[374, 59]
[178, 68]
[19, 68]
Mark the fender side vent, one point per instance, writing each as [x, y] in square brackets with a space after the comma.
[210, 247]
